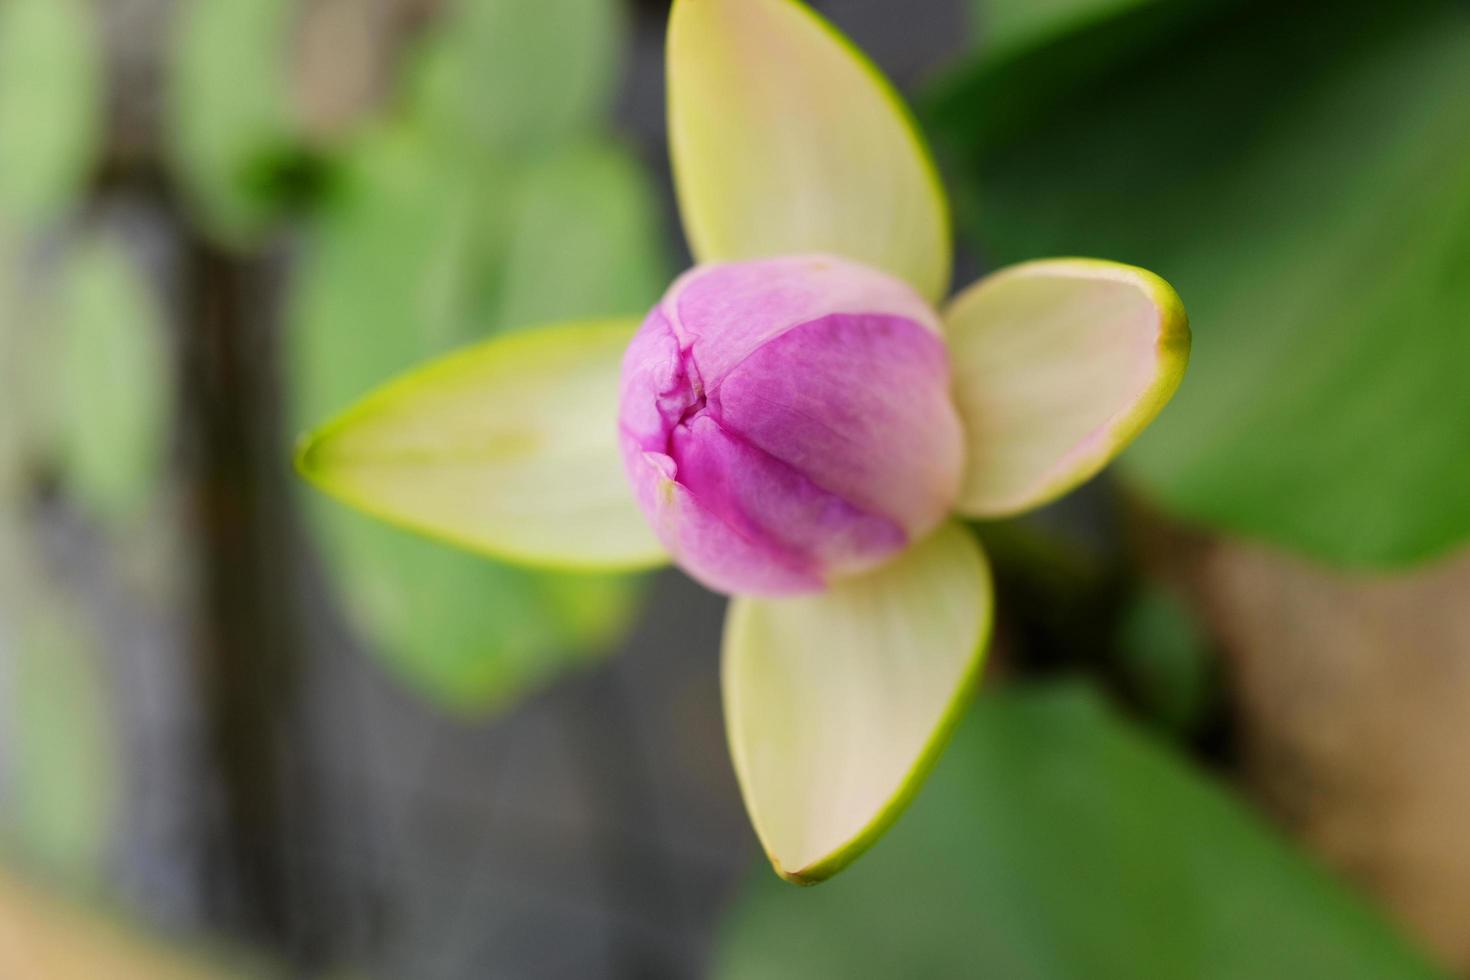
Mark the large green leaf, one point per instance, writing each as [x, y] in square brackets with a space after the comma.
[1009, 27]
[1303, 178]
[1056, 841]
[50, 105]
[420, 253]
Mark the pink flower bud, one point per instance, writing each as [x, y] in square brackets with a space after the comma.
[785, 422]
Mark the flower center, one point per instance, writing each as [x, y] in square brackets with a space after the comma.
[787, 422]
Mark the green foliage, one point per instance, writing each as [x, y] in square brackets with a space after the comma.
[1303, 179]
[513, 78]
[18, 425]
[437, 235]
[1010, 27]
[1054, 840]
[115, 384]
[229, 109]
[1166, 659]
[62, 784]
[50, 96]
[583, 239]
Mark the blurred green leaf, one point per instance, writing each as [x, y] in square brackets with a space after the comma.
[1167, 660]
[1034, 59]
[1303, 178]
[229, 109]
[115, 391]
[1007, 27]
[467, 632]
[16, 430]
[491, 206]
[514, 78]
[583, 238]
[50, 96]
[62, 752]
[1054, 840]
[421, 252]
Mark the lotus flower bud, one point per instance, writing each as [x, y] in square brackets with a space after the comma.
[786, 422]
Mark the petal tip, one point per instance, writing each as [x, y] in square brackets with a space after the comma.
[750, 81]
[949, 561]
[420, 452]
[804, 878]
[306, 456]
[1138, 386]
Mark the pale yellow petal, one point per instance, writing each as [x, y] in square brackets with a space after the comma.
[508, 448]
[1058, 365]
[786, 140]
[837, 704]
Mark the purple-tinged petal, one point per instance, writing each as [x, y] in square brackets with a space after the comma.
[761, 497]
[788, 422]
[722, 313]
[711, 549]
[887, 386]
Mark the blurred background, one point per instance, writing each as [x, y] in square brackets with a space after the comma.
[246, 733]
